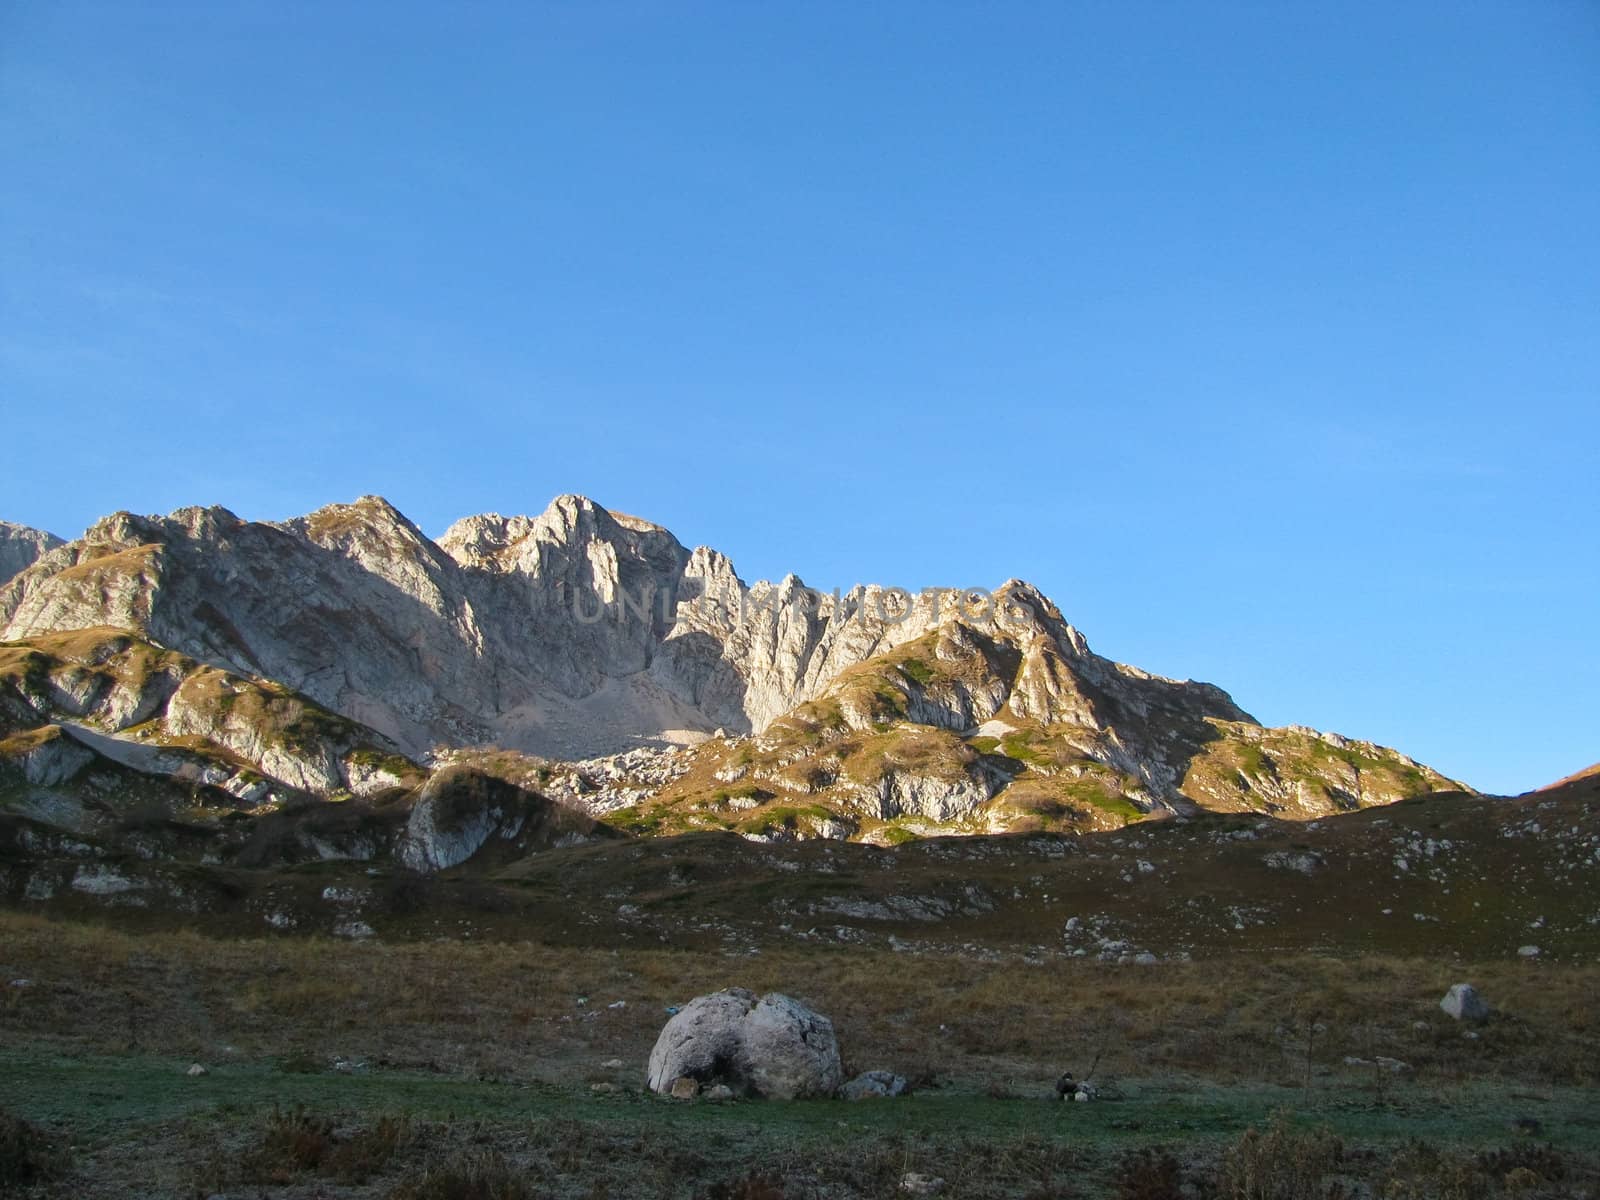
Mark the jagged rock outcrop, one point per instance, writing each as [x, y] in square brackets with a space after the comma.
[73, 699]
[568, 634]
[582, 633]
[21, 547]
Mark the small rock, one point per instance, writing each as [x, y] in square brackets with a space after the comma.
[1145, 959]
[1464, 1003]
[618, 1004]
[685, 1087]
[611, 1064]
[720, 1094]
[913, 1184]
[195, 1070]
[603, 1089]
[873, 1085]
[1528, 951]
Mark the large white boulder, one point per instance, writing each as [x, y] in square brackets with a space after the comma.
[774, 1047]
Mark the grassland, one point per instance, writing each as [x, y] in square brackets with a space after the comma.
[491, 1039]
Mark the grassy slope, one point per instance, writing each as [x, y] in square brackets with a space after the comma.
[489, 1044]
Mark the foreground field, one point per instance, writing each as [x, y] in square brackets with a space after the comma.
[388, 1069]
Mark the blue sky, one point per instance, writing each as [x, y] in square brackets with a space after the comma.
[1262, 336]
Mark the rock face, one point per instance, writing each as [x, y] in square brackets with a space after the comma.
[21, 547]
[574, 633]
[1464, 1004]
[773, 1048]
[333, 652]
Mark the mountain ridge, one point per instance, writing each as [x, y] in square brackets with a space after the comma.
[598, 660]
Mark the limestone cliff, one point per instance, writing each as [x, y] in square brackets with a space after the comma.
[21, 547]
[582, 633]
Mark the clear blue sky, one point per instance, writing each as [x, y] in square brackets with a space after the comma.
[1262, 336]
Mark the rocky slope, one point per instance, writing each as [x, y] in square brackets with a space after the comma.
[21, 547]
[346, 654]
[108, 741]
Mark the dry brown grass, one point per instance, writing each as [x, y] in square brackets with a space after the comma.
[524, 1010]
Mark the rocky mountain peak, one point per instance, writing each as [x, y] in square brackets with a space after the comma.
[320, 651]
[21, 547]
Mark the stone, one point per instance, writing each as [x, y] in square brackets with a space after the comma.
[611, 1064]
[196, 1070]
[602, 1088]
[685, 1087]
[719, 1093]
[773, 1047]
[1528, 951]
[913, 1183]
[873, 1085]
[1464, 1003]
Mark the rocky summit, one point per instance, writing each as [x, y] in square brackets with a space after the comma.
[580, 673]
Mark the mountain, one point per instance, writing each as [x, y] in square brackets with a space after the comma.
[21, 547]
[587, 660]
[1584, 783]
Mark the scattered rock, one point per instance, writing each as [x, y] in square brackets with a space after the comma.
[774, 1048]
[1306, 863]
[1464, 1003]
[873, 1085]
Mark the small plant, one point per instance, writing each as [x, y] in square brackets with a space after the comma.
[1148, 1174]
[1283, 1163]
[474, 1175]
[754, 1186]
[27, 1154]
[293, 1142]
[1422, 1171]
